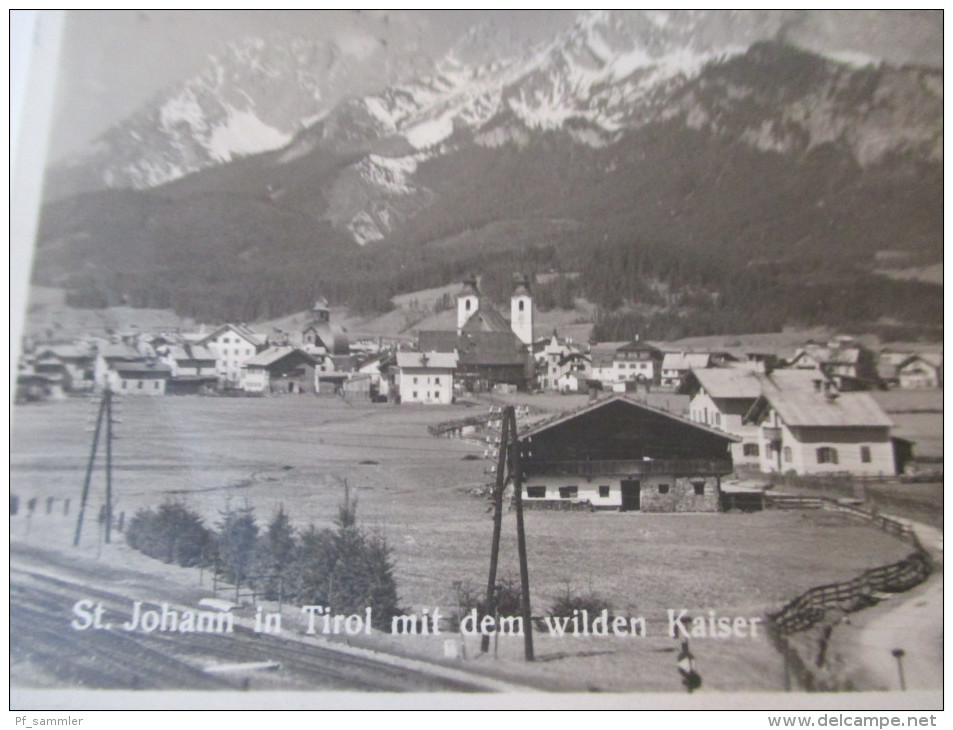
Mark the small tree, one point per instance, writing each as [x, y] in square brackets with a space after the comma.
[237, 538]
[275, 557]
[347, 569]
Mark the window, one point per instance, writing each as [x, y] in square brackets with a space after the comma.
[787, 454]
[603, 490]
[536, 492]
[124, 384]
[865, 454]
[717, 418]
[699, 487]
[663, 488]
[415, 395]
[568, 492]
[436, 381]
[826, 455]
[751, 450]
[415, 381]
[468, 305]
[156, 386]
[522, 305]
[139, 385]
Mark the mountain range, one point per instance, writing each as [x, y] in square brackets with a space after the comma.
[659, 155]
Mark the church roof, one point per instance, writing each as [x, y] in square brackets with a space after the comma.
[486, 319]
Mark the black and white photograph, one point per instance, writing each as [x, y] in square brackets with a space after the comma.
[478, 359]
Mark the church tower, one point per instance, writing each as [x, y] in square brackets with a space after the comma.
[521, 309]
[468, 301]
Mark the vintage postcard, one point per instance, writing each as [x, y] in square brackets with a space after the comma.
[490, 358]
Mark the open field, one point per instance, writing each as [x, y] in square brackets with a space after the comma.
[296, 451]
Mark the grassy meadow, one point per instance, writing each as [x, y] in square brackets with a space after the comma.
[419, 492]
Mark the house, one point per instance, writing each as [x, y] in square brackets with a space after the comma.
[109, 357]
[381, 370]
[192, 367]
[147, 378]
[622, 454]
[282, 369]
[921, 371]
[490, 352]
[233, 345]
[721, 397]
[888, 363]
[675, 365]
[821, 431]
[320, 337]
[843, 360]
[556, 359]
[76, 364]
[426, 377]
[615, 362]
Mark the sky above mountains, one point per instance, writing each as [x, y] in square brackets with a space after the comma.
[112, 62]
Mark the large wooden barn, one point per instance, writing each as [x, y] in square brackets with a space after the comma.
[622, 454]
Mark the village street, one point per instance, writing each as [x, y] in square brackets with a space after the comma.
[911, 622]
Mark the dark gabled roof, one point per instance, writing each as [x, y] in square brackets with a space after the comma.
[143, 370]
[271, 356]
[596, 405]
[437, 341]
[486, 319]
[491, 348]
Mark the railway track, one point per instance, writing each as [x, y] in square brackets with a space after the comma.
[42, 640]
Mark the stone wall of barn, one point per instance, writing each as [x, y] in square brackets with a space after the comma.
[657, 493]
[680, 494]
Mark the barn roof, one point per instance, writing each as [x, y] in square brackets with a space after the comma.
[274, 354]
[596, 405]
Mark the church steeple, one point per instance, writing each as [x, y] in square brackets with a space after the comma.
[468, 301]
[521, 309]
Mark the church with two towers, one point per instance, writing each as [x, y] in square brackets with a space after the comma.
[490, 351]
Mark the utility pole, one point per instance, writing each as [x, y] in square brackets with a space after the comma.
[509, 461]
[89, 471]
[107, 396]
[497, 529]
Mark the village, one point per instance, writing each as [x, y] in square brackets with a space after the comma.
[283, 418]
[821, 408]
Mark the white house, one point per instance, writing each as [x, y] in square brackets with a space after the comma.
[426, 377]
[617, 362]
[675, 365]
[721, 399]
[233, 345]
[558, 359]
[921, 371]
[816, 432]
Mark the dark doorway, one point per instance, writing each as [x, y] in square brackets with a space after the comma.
[631, 495]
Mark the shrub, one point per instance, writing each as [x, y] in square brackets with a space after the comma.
[173, 534]
[589, 601]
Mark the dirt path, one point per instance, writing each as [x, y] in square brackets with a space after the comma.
[911, 622]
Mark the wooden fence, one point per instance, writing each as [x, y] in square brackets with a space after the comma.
[810, 607]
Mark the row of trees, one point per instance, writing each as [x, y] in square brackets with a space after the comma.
[346, 567]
